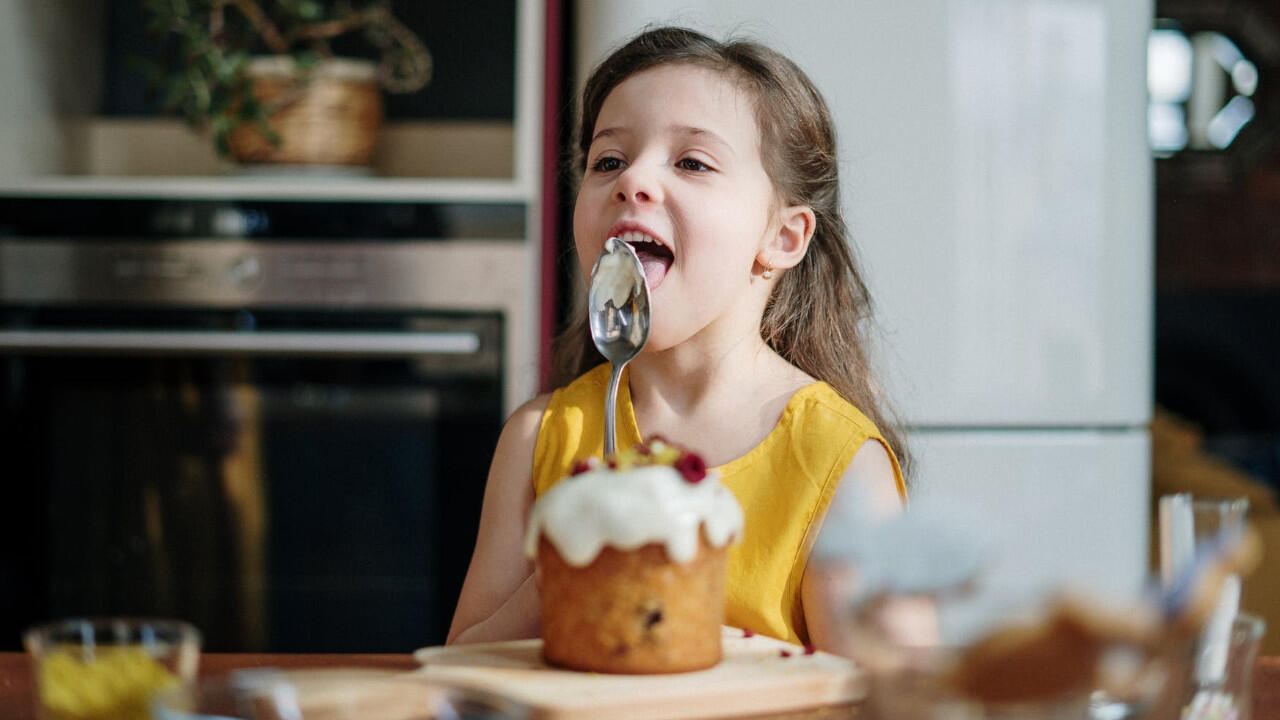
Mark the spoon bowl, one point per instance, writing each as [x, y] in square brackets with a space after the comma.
[618, 311]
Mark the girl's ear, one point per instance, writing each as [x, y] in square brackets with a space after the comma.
[789, 244]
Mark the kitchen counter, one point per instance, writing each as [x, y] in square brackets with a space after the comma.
[17, 691]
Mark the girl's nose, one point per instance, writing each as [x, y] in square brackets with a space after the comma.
[636, 184]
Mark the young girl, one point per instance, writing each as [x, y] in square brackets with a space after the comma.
[717, 163]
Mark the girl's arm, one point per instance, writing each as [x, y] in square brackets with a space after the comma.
[868, 480]
[499, 598]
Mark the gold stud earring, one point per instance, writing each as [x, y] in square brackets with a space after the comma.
[767, 274]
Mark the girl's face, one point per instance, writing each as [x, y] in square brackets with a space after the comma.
[674, 168]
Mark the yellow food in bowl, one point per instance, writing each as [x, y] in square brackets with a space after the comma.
[115, 683]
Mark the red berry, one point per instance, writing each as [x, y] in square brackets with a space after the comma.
[784, 653]
[809, 649]
[613, 464]
[747, 632]
[691, 466]
[579, 467]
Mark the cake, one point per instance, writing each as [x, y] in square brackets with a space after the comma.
[632, 553]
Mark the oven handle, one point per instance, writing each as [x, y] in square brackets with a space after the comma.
[201, 342]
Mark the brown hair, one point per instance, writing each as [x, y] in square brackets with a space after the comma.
[818, 315]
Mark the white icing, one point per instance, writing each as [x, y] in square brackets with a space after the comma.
[615, 277]
[632, 508]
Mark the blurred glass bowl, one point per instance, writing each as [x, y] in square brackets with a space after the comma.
[109, 668]
[1043, 665]
[921, 688]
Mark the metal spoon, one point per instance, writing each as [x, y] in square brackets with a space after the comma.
[618, 309]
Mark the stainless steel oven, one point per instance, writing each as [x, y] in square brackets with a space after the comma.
[282, 441]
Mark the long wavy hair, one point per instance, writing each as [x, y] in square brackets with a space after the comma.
[819, 313]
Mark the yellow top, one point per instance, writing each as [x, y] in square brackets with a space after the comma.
[784, 485]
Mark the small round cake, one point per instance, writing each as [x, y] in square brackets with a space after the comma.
[632, 553]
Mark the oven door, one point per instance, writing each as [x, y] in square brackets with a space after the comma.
[287, 481]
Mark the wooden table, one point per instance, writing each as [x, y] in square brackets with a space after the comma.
[17, 692]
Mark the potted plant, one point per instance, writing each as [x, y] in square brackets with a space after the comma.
[263, 78]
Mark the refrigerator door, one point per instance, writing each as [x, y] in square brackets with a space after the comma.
[1067, 509]
[997, 184]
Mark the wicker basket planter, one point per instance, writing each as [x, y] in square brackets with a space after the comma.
[329, 116]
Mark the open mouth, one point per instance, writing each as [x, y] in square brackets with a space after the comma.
[655, 257]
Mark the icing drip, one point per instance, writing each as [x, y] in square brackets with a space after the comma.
[631, 508]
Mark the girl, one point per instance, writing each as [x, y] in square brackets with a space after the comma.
[717, 162]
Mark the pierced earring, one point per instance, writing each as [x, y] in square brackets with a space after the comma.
[767, 274]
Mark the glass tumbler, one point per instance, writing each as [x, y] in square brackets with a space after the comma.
[1189, 523]
[1231, 695]
[109, 668]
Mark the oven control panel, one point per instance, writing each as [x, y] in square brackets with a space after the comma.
[230, 274]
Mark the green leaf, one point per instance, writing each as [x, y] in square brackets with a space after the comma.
[220, 103]
[309, 10]
[264, 127]
[199, 90]
[174, 96]
[252, 108]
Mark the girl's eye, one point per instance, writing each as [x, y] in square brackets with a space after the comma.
[692, 164]
[607, 164]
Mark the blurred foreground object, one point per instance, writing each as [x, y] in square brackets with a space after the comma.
[109, 668]
[328, 694]
[1180, 464]
[933, 651]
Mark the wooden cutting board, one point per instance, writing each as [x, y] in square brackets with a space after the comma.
[753, 678]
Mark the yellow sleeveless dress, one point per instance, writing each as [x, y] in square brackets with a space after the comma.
[784, 485]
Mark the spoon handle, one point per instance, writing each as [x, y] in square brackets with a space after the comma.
[611, 410]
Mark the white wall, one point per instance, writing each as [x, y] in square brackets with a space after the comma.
[51, 56]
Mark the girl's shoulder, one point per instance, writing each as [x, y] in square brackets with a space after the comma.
[812, 401]
[826, 420]
[819, 402]
[531, 409]
[520, 431]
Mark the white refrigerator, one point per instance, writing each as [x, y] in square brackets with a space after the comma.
[998, 188]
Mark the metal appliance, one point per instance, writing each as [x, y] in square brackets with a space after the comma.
[282, 438]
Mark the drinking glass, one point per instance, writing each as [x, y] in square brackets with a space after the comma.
[1187, 524]
[1231, 695]
[109, 668]
[1221, 669]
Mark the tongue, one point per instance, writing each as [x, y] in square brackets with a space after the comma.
[655, 268]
